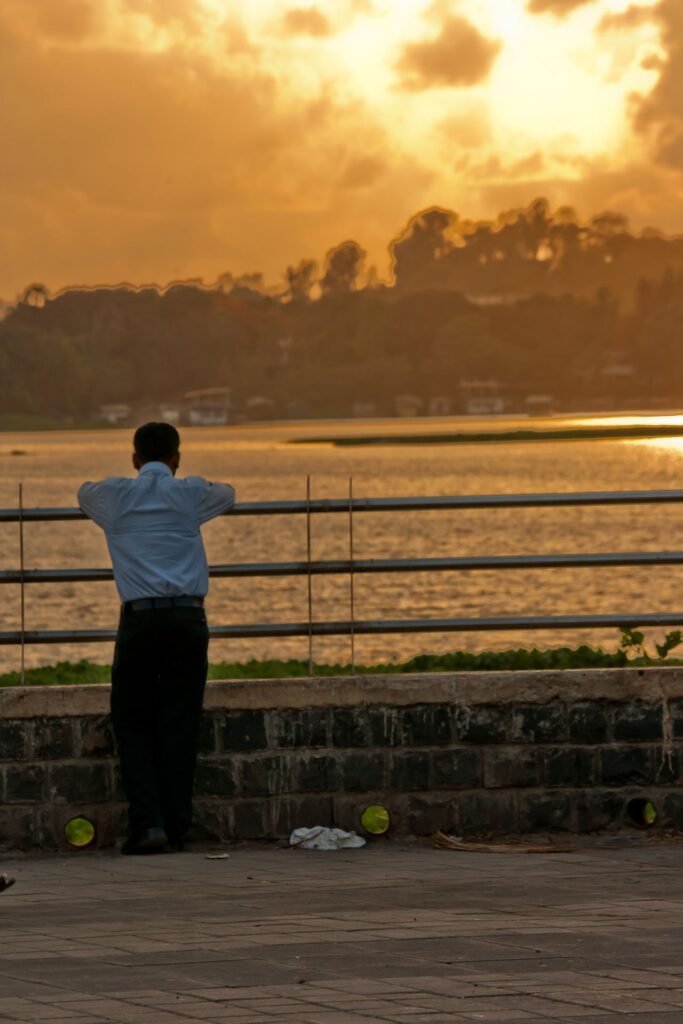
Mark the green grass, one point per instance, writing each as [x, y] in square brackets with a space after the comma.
[68, 673]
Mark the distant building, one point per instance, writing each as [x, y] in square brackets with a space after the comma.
[439, 405]
[169, 414]
[207, 407]
[539, 405]
[259, 408]
[408, 405]
[363, 410]
[482, 398]
[116, 413]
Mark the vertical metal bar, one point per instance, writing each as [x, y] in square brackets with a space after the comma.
[351, 578]
[310, 578]
[23, 592]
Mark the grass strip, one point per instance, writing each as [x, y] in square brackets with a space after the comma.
[67, 673]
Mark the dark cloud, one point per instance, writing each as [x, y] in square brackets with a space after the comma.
[306, 21]
[363, 172]
[560, 8]
[459, 56]
[659, 115]
[632, 17]
[493, 167]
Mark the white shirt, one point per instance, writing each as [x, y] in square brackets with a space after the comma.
[152, 523]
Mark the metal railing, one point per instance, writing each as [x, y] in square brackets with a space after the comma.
[352, 566]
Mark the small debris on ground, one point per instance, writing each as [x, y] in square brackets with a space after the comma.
[445, 842]
[217, 856]
[323, 838]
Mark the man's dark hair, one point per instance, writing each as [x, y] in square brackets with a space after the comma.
[156, 442]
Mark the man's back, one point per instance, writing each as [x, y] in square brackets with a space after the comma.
[152, 525]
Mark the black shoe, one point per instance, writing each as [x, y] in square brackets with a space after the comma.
[150, 840]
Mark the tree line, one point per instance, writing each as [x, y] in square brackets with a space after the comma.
[539, 302]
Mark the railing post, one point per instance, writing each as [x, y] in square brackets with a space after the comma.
[351, 579]
[310, 578]
[22, 591]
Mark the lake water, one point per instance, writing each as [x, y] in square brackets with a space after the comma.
[262, 465]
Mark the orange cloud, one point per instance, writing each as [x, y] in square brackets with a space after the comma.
[560, 8]
[306, 21]
[632, 17]
[459, 56]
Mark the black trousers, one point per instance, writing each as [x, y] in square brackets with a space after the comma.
[158, 680]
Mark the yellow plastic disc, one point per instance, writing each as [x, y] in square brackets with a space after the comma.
[375, 819]
[79, 832]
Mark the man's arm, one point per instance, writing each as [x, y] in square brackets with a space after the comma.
[214, 499]
[89, 500]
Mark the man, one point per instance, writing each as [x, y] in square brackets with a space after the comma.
[152, 525]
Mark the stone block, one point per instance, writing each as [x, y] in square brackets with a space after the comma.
[427, 815]
[362, 773]
[17, 828]
[318, 774]
[385, 727]
[243, 731]
[512, 767]
[96, 737]
[482, 723]
[626, 766]
[53, 738]
[456, 769]
[676, 712]
[303, 812]
[667, 767]
[207, 733]
[79, 783]
[426, 725]
[215, 778]
[544, 811]
[251, 819]
[597, 809]
[13, 740]
[670, 810]
[569, 766]
[588, 723]
[349, 727]
[410, 770]
[485, 814]
[24, 783]
[264, 776]
[638, 722]
[307, 727]
[538, 723]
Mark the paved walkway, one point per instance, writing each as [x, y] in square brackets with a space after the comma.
[388, 933]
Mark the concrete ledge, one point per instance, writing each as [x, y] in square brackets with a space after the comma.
[398, 690]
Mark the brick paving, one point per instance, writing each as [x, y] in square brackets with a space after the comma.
[390, 933]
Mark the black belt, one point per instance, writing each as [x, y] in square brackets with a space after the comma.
[143, 604]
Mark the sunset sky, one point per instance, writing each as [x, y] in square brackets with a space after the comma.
[150, 140]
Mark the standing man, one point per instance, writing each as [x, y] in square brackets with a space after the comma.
[152, 525]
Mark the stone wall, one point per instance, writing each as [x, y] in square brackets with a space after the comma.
[480, 753]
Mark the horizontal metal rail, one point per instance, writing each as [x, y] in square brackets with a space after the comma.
[414, 504]
[241, 570]
[371, 626]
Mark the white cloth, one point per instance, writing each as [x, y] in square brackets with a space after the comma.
[323, 838]
[152, 523]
